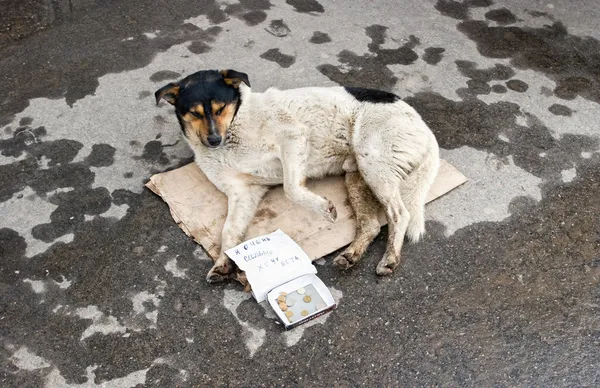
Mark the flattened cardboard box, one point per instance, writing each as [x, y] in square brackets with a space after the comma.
[199, 209]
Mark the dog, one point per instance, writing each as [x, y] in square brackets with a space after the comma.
[247, 142]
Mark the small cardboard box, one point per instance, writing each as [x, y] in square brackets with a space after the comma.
[297, 309]
[282, 273]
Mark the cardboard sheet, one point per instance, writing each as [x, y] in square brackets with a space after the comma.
[200, 210]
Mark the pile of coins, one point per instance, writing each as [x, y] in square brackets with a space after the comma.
[286, 301]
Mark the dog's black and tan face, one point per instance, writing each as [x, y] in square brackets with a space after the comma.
[205, 104]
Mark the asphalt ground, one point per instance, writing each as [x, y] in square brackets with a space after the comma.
[99, 286]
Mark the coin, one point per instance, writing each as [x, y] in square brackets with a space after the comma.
[281, 298]
[289, 313]
[301, 291]
[283, 306]
[304, 313]
[307, 298]
[283, 293]
[319, 306]
[290, 301]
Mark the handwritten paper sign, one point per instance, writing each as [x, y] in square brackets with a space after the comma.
[270, 261]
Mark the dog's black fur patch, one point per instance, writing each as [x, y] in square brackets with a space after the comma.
[202, 88]
[372, 95]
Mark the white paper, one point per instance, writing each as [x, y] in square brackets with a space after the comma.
[269, 261]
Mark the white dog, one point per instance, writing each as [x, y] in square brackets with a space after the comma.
[247, 142]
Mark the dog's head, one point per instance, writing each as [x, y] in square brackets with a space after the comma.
[205, 103]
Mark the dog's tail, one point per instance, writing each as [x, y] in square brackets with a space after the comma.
[415, 188]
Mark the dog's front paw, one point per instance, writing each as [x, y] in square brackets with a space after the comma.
[387, 265]
[220, 272]
[215, 277]
[346, 259]
[329, 211]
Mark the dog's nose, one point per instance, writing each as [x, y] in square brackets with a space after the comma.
[214, 140]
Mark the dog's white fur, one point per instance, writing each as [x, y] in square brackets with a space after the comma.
[285, 137]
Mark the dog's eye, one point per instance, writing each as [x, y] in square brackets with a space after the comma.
[197, 115]
[218, 113]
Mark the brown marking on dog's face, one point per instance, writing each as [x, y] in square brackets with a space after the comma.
[223, 115]
[198, 109]
[196, 128]
[209, 127]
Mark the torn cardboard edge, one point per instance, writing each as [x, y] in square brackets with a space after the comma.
[199, 209]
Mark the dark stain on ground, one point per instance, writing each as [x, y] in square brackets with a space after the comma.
[460, 10]
[371, 70]
[274, 55]
[479, 79]
[252, 12]
[517, 85]
[25, 121]
[499, 89]
[128, 175]
[61, 173]
[319, 37]
[474, 87]
[22, 18]
[278, 28]
[498, 72]
[159, 119]
[502, 16]
[545, 91]
[71, 211]
[570, 87]
[306, 6]
[560, 110]
[102, 155]
[538, 14]
[198, 47]
[253, 18]
[76, 64]
[153, 153]
[433, 55]
[571, 61]
[164, 75]
[474, 123]
[143, 94]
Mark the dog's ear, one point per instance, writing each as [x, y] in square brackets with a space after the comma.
[235, 78]
[169, 92]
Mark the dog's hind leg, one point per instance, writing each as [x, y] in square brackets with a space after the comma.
[384, 177]
[366, 208]
[398, 218]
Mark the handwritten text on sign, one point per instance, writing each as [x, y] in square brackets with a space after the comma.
[271, 260]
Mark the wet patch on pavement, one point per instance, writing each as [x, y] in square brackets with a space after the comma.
[371, 70]
[122, 41]
[252, 12]
[306, 6]
[275, 55]
[319, 37]
[569, 60]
